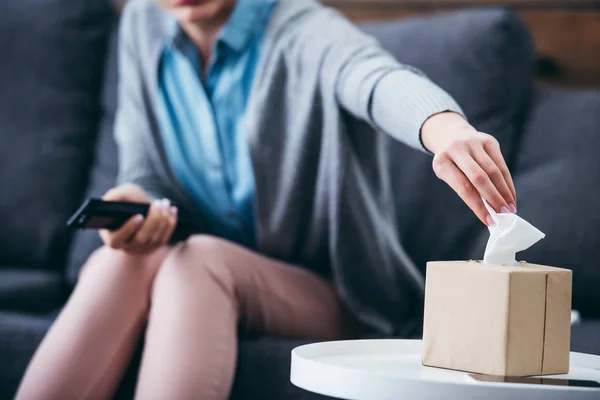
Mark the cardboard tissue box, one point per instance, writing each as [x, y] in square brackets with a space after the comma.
[497, 320]
[498, 317]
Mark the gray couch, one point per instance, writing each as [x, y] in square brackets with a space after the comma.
[57, 103]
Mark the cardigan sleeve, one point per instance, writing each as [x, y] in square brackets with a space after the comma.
[132, 131]
[368, 81]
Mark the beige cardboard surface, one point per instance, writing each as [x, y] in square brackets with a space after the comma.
[497, 320]
[525, 324]
[465, 314]
[558, 323]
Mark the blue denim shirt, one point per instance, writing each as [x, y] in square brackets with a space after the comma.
[201, 122]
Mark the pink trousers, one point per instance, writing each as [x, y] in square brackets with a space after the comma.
[192, 301]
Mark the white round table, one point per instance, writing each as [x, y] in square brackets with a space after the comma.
[392, 370]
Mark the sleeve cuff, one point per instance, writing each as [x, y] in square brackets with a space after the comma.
[401, 102]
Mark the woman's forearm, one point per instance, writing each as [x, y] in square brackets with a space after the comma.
[403, 100]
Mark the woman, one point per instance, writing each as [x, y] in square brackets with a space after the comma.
[249, 114]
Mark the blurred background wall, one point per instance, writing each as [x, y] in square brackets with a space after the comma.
[566, 32]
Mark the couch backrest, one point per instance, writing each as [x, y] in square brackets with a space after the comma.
[557, 175]
[105, 168]
[51, 71]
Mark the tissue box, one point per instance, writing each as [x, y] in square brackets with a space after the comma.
[497, 320]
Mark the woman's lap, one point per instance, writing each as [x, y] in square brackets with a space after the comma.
[189, 298]
[272, 297]
[205, 290]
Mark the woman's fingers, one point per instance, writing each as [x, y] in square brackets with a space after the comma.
[461, 155]
[497, 178]
[492, 148]
[165, 224]
[472, 164]
[119, 238]
[154, 220]
[143, 234]
[157, 230]
[171, 226]
[445, 169]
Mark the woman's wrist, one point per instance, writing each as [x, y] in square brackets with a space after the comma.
[440, 130]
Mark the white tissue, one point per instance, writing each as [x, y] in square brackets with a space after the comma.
[508, 236]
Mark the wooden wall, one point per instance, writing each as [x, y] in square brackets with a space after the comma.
[566, 32]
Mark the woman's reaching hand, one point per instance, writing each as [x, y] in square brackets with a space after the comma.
[471, 163]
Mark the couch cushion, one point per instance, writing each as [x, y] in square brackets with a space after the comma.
[20, 334]
[273, 359]
[557, 175]
[585, 337]
[31, 290]
[483, 58]
[263, 372]
[51, 70]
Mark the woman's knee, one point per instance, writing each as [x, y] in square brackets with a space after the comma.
[201, 258]
[106, 261]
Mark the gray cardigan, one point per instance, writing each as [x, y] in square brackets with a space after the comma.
[325, 101]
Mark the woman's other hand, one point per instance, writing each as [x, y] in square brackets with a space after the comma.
[141, 234]
[471, 163]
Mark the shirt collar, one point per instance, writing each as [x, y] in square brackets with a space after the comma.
[247, 18]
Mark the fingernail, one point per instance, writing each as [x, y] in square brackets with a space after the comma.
[160, 205]
[504, 210]
[166, 203]
[138, 219]
[490, 221]
[173, 211]
[513, 208]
